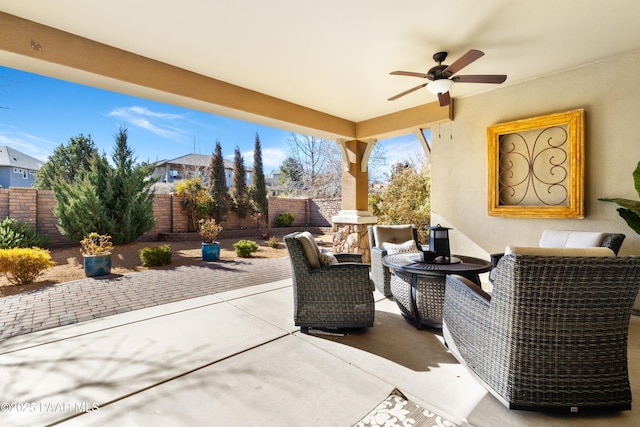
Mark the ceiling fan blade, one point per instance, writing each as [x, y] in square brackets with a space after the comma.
[463, 61]
[407, 92]
[444, 98]
[480, 78]
[408, 73]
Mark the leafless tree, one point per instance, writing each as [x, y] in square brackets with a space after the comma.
[320, 160]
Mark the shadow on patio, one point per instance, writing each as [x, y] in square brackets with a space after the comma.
[235, 358]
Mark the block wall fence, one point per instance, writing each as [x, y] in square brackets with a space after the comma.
[35, 207]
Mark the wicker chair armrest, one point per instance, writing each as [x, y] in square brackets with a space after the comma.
[347, 277]
[343, 268]
[466, 305]
[495, 258]
[469, 289]
[347, 257]
[613, 241]
[378, 251]
[466, 317]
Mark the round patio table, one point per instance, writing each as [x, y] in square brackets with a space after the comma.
[418, 287]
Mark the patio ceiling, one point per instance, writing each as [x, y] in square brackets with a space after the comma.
[315, 67]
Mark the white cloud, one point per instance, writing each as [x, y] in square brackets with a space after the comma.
[272, 158]
[161, 124]
[27, 144]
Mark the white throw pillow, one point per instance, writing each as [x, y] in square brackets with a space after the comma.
[407, 247]
[327, 259]
[570, 239]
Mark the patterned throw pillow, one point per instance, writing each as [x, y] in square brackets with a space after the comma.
[401, 248]
[327, 259]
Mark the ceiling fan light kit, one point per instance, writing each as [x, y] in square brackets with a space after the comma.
[440, 86]
[442, 76]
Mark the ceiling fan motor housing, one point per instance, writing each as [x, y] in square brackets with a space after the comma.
[435, 73]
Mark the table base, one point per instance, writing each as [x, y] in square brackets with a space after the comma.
[419, 297]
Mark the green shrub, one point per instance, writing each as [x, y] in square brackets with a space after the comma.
[284, 219]
[273, 242]
[155, 256]
[22, 266]
[18, 234]
[244, 248]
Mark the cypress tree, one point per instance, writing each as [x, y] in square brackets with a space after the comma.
[239, 190]
[221, 201]
[259, 186]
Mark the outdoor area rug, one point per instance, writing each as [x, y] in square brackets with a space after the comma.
[397, 410]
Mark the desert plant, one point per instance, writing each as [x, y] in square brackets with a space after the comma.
[284, 219]
[22, 266]
[155, 256]
[273, 242]
[18, 234]
[630, 209]
[96, 244]
[244, 248]
[209, 230]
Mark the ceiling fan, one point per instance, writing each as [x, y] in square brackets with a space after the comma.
[441, 77]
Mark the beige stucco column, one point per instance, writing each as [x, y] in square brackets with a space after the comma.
[350, 225]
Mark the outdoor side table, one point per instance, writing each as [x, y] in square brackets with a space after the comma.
[418, 287]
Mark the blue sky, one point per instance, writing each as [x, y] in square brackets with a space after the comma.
[38, 113]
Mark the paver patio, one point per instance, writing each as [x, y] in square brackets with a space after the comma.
[92, 298]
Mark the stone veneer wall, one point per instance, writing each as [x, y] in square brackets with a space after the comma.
[352, 238]
[35, 207]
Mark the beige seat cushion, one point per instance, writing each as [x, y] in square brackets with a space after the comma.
[570, 239]
[392, 234]
[311, 249]
[573, 252]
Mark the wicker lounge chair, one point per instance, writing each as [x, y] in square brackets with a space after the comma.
[553, 334]
[378, 235]
[338, 295]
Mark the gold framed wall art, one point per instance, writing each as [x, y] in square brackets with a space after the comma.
[536, 167]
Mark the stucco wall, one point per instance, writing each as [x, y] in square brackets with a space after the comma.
[608, 91]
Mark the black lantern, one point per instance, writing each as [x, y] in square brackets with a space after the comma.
[439, 243]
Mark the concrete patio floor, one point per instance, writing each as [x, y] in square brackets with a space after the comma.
[235, 358]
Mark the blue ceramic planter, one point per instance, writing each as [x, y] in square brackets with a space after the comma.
[211, 251]
[97, 265]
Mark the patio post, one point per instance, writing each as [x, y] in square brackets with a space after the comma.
[350, 225]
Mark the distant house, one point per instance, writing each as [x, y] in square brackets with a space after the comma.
[16, 168]
[192, 166]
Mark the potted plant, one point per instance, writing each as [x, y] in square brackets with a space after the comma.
[209, 231]
[96, 252]
[630, 209]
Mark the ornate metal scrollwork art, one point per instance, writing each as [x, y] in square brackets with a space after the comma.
[536, 167]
